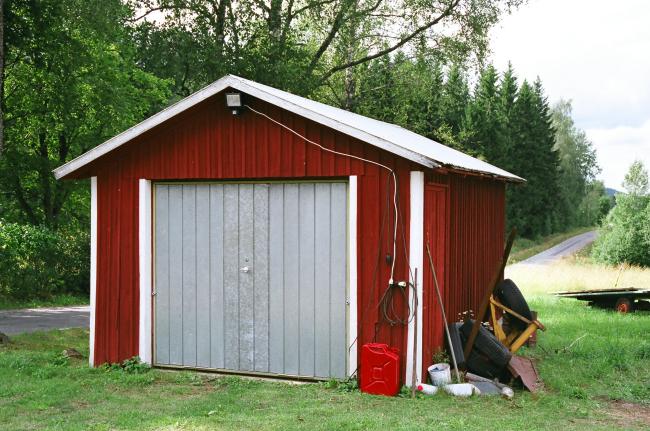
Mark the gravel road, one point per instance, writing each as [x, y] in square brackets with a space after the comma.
[43, 319]
[563, 249]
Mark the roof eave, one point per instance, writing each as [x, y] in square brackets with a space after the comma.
[509, 179]
[212, 89]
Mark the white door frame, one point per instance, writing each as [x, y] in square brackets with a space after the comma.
[146, 270]
[145, 241]
[352, 275]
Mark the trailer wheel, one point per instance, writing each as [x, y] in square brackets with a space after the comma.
[624, 305]
[510, 295]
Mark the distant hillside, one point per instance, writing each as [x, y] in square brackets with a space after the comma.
[611, 192]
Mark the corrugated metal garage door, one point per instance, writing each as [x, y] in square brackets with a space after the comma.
[251, 277]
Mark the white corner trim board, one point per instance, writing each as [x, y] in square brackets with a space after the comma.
[416, 260]
[144, 245]
[352, 275]
[93, 267]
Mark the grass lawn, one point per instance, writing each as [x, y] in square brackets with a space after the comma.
[524, 248]
[56, 301]
[601, 382]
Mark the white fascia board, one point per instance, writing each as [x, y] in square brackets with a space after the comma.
[144, 258]
[336, 125]
[416, 262]
[352, 276]
[216, 87]
[93, 268]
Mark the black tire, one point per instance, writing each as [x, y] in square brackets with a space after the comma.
[487, 344]
[457, 344]
[484, 367]
[509, 295]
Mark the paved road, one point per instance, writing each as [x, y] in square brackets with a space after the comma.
[563, 249]
[43, 319]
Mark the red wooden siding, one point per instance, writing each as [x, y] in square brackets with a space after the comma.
[476, 238]
[207, 142]
[466, 247]
[436, 220]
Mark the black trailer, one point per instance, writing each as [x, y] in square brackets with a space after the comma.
[623, 300]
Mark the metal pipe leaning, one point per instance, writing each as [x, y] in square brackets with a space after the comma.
[486, 300]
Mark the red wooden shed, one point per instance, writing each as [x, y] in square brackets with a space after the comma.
[262, 239]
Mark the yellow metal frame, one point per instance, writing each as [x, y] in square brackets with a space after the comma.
[515, 339]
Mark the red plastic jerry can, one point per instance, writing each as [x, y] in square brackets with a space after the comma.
[379, 369]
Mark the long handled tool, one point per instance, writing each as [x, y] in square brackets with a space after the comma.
[488, 294]
[442, 310]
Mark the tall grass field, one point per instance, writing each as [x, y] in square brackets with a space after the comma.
[575, 274]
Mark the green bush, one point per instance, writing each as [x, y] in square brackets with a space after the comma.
[625, 234]
[38, 263]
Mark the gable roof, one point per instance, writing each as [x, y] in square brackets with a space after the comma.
[386, 136]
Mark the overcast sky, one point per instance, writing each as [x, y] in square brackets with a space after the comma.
[597, 54]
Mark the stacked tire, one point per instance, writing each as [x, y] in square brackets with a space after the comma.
[509, 295]
[489, 358]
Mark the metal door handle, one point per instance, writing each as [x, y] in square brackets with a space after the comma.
[244, 269]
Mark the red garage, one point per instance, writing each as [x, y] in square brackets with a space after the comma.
[260, 235]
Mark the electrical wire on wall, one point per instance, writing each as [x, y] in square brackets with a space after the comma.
[385, 305]
[352, 156]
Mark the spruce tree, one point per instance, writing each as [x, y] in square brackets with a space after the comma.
[411, 102]
[455, 99]
[549, 161]
[532, 208]
[507, 94]
[435, 97]
[376, 97]
[482, 121]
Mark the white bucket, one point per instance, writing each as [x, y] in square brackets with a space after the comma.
[462, 390]
[440, 374]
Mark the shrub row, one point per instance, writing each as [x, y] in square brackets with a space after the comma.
[38, 263]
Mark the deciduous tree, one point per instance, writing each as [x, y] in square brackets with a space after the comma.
[71, 82]
[636, 179]
[578, 166]
[295, 44]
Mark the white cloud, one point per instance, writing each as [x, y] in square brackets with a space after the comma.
[618, 147]
[595, 53]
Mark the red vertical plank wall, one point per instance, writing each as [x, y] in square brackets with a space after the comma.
[206, 142]
[466, 226]
[436, 235]
[477, 232]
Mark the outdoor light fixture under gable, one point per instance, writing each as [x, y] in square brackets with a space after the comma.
[234, 102]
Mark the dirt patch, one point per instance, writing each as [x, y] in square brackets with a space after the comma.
[629, 414]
